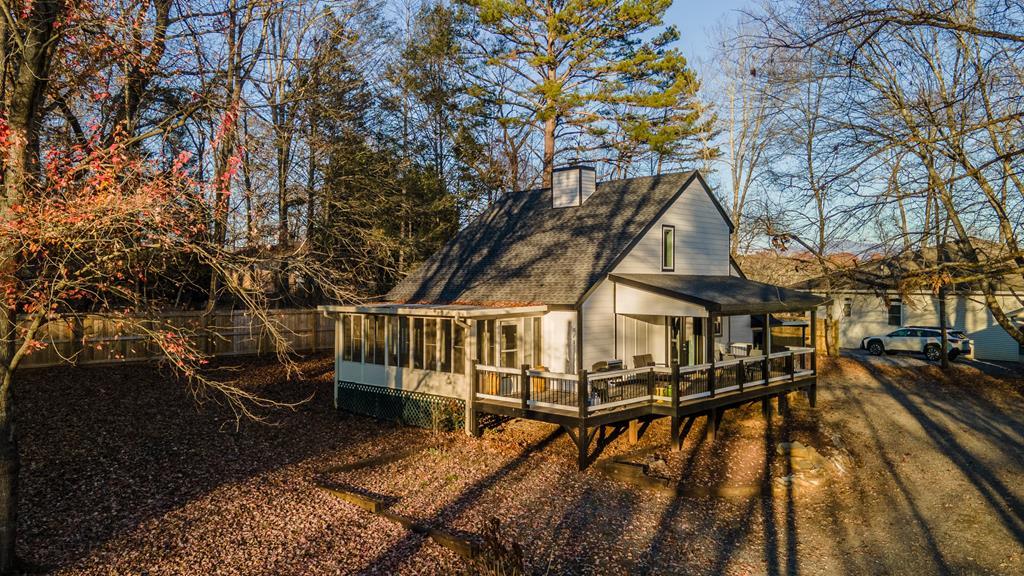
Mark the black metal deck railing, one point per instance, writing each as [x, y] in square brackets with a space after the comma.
[589, 393]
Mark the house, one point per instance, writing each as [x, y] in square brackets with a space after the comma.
[584, 304]
[881, 294]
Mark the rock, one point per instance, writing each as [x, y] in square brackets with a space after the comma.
[784, 480]
[793, 449]
[808, 481]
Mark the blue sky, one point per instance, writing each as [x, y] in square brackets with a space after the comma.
[696, 19]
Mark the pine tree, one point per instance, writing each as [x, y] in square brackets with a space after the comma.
[583, 71]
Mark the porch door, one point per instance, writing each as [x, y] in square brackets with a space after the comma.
[685, 340]
[508, 344]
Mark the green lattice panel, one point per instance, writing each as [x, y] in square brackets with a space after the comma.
[403, 406]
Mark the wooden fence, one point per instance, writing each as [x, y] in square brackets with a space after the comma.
[104, 340]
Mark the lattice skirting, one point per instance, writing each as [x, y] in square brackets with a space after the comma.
[403, 406]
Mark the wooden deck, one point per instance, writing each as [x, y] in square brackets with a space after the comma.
[585, 403]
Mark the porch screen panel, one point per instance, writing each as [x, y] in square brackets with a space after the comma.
[509, 343]
[369, 338]
[485, 342]
[379, 338]
[393, 341]
[527, 342]
[459, 350]
[346, 337]
[417, 343]
[357, 338]
[404, 358]
[445, 345]
[430, 344]
[538, 342]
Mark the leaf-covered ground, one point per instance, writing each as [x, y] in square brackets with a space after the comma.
[122, 473]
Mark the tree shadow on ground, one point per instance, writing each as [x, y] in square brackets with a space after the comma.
[106, 449]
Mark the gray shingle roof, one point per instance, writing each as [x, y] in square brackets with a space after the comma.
[728, 295]
[522, 251]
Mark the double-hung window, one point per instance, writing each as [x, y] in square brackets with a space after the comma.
[895, 312]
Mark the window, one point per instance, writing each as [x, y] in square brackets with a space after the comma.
[417, 343]
[718, 325]
[899, 334]
[895, 312]
[459, 350]
[444, 342]
[668, 248]
[847, 307]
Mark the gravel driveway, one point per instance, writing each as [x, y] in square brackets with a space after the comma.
[123, 474]
[940, 482]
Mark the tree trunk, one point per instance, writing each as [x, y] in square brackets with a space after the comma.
[9, 465]
[943, 327]
[549, 150]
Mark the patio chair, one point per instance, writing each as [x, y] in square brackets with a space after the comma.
[643, 361]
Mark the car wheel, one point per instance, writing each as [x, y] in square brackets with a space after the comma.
[875, 347]
[953, 354]
[932, 352]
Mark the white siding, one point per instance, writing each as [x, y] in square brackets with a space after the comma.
[869, 317]
[565, 188]
[559, 342]
[640, 335]
[599, 324]
[589, 183]
[701, 238]
[426, 381]
[629, 300]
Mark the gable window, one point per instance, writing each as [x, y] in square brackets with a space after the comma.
[847, 307]
[718, 325]
[668, 248]
[895, 312]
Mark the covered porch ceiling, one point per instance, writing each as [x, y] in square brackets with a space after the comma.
[720, 295]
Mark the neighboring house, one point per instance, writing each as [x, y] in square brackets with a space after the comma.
[553, 287]
[869, 299]
[866, 312]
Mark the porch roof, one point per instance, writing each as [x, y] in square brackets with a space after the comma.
[726, 295]
[438, 310]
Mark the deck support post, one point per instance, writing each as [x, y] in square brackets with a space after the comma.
[472, 415]
[524, 386]
[812, 393]
[714, 422]
[814, 340]
[679, 435]
[634, 431]
[766, 409]
[766, 343]
[784, 405]
[583, 401]
[709, 352]
[677, 442]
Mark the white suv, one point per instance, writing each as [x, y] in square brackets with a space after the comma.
[927, 341]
